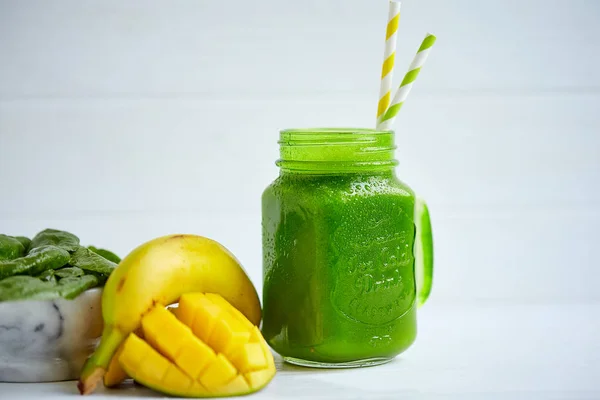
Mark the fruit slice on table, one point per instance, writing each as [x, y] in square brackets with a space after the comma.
[159, 272]
[206, 348]
[115, 374]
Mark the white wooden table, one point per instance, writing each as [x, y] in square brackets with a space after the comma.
[489, 351]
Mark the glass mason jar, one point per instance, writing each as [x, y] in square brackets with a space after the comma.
[347, 250]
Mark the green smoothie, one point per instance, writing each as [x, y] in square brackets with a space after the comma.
[338, 235]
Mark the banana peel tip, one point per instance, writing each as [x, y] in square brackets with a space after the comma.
[88, 385]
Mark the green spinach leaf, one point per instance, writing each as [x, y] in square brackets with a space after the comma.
[71, 287]
[47, 276]
[10, 248]
[69, 272]
[91, 262]
[53, 237]
[26, 288]
[109, 255]
[37, 261]
[25, 241]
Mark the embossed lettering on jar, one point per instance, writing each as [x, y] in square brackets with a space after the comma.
[338, 236]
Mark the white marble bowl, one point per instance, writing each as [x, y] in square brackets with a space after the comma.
[49, 340]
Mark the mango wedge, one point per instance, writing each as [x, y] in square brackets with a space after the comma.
[205, 348]
[115, 374]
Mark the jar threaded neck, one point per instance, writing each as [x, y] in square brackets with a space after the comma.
[327, 150]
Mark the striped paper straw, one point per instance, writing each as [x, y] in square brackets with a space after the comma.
[389, 55]
[413, 71]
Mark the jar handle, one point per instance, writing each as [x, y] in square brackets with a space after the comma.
[423, 250]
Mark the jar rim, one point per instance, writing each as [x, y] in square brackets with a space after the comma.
[335, 130]
[336, 149]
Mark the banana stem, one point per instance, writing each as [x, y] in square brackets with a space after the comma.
[96, 365]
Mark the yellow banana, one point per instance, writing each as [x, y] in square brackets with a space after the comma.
[159, 272]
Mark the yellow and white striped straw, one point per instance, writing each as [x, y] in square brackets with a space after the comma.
[389, 55]
[402, 93]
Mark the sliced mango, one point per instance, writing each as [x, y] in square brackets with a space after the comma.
[198, 313]
[163, 332]
[174, 340]
[203, 348]
[234, 312]
[218, 373]
[259, 379]
[237, 385]
[250, 357]
[134, 352]
[185, 311]
[115, 374]
[228, 335]
[150, 368]
[257, 337]
[176, 378]
[194, 357]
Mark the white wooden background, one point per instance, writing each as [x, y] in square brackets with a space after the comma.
[126, 120]
[122, 121]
